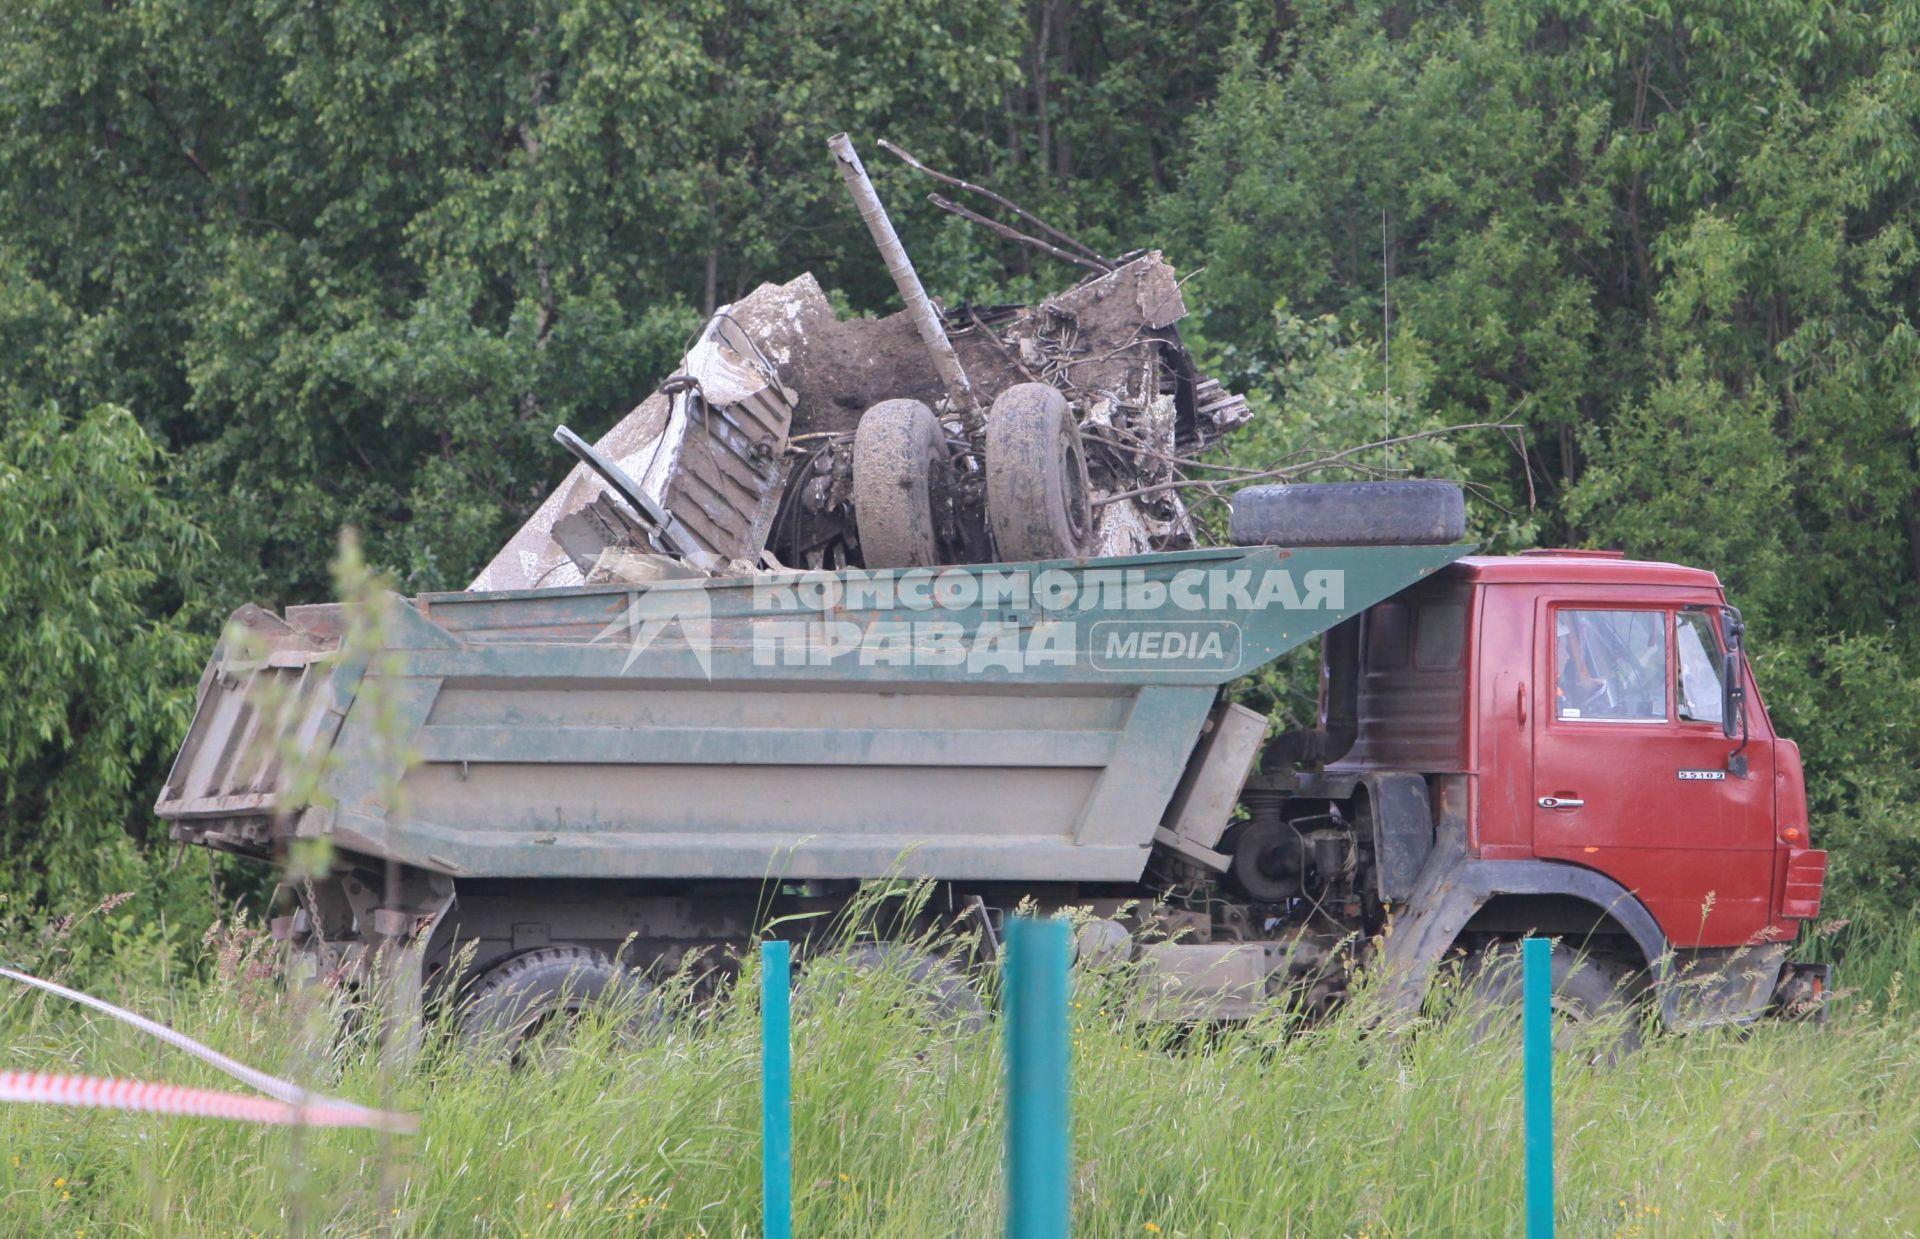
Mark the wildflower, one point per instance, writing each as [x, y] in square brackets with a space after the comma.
[59, 1182]
[1151, 1228]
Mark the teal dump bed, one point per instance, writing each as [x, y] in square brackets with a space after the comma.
[982, 722]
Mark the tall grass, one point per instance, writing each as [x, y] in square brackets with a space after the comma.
[1264, 1129]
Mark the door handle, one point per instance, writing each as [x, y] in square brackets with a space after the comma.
[1561, 802]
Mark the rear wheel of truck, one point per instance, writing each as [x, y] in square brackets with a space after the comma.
[899, 475]
[1038, 497]
[1595, 1015]
[1403, 513]
[938, 993]
[516, 999]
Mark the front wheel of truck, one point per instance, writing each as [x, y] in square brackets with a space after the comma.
[1595, 1013]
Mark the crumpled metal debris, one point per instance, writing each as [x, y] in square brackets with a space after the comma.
[748, 444]
[709, 447]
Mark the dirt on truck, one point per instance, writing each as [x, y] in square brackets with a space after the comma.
[822, 612]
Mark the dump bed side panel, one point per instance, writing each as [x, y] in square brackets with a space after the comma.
[535, 777]
[1024, 722]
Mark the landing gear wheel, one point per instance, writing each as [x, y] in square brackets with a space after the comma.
[517, 997]
[1038, 500]
[946, 999]
[899, 474]
[1586, 989]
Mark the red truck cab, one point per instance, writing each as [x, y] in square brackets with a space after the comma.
[1568, 714]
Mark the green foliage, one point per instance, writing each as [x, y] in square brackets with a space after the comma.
[97, 567]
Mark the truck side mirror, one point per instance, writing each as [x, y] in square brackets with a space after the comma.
[1733, 697]
[1733, 684]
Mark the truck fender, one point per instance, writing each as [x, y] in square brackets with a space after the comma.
[1453, 886]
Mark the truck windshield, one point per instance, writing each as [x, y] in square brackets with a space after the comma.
[1697, 674]
[1611, 666]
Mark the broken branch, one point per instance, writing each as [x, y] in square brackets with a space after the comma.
[1013, 234]
[997, 200]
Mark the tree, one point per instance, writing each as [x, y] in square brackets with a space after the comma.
[97, 570]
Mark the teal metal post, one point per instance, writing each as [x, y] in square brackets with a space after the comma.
[1039, 1160]
[1537, 1027]
[776, 1091]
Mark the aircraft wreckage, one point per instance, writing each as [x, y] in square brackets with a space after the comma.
[792, 439]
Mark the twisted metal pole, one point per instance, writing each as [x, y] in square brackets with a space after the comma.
[926, 320]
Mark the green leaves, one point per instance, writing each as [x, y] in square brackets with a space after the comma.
[96, 571]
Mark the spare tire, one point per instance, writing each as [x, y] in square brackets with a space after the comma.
[899, 476]
[1410, 513]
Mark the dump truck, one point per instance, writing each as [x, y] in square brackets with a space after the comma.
[917, 598]
[537, 794]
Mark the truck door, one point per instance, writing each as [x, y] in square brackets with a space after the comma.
[1630, 765]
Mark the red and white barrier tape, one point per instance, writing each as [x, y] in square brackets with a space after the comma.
[272, 1086]
[100, 1093]
[290, 1103]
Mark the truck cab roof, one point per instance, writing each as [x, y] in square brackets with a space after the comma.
[1566, 566]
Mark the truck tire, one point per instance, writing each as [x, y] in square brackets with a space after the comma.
[899, 466]
[1586, 989]
[948, 1000]
[515, 998]
[1038, 498]
[1405, 513]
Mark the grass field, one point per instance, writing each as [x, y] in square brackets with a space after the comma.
[1263, 1130]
